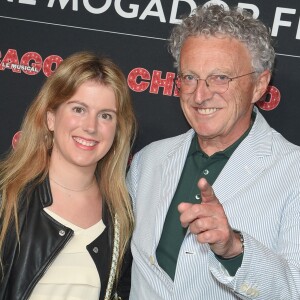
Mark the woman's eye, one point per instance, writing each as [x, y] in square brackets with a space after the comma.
[78, 109]
[106, 116]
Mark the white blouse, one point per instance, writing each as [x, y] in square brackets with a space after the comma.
[73, 274]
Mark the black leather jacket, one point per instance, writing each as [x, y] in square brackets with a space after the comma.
[41, 240]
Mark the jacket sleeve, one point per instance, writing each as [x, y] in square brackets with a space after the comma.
[8, 253]
[268, 273]
[124, 283]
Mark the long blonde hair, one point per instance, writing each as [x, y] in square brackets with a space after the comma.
[29, 161]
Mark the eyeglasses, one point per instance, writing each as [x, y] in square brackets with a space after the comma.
[187, 83]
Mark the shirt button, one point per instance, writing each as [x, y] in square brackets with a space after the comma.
[95, 250]
[62, 232]
[205, 172]
[198, 197]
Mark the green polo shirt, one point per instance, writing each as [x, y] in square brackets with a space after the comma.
[197, 165]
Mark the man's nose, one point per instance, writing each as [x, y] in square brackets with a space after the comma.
[202, 92]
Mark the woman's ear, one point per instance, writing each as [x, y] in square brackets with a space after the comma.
[50, 120]
[261, 85]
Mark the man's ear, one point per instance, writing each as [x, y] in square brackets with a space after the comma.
[50, 120]
[261, 85]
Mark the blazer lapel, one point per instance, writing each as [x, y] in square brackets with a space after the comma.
[171, 170]
[246, 163]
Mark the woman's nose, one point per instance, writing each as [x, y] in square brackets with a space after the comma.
[90, 125]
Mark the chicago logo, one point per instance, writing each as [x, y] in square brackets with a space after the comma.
[31, 63]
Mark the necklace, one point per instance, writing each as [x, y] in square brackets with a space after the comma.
[68, 189]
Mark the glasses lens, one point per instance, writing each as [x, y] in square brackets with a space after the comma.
[218, 88]
[218, 83]
[186, 84]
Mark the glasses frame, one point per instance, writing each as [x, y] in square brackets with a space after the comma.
[229, 79]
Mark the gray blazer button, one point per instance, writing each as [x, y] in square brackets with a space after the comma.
[95, 249]
[152, 260]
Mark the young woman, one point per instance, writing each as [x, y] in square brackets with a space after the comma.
[66, 216]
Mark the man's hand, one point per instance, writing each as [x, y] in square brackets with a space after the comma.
[209, 222]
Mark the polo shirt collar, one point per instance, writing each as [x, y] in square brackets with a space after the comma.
[195, 147]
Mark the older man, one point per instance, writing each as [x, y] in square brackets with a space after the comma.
[218, 208]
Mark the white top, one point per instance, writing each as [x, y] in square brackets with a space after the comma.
[73, 274]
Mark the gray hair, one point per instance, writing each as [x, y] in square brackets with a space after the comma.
[236, 23]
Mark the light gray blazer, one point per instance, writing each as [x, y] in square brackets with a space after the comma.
[259, 188]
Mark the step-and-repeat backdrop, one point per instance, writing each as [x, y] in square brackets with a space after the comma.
[36, 35]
